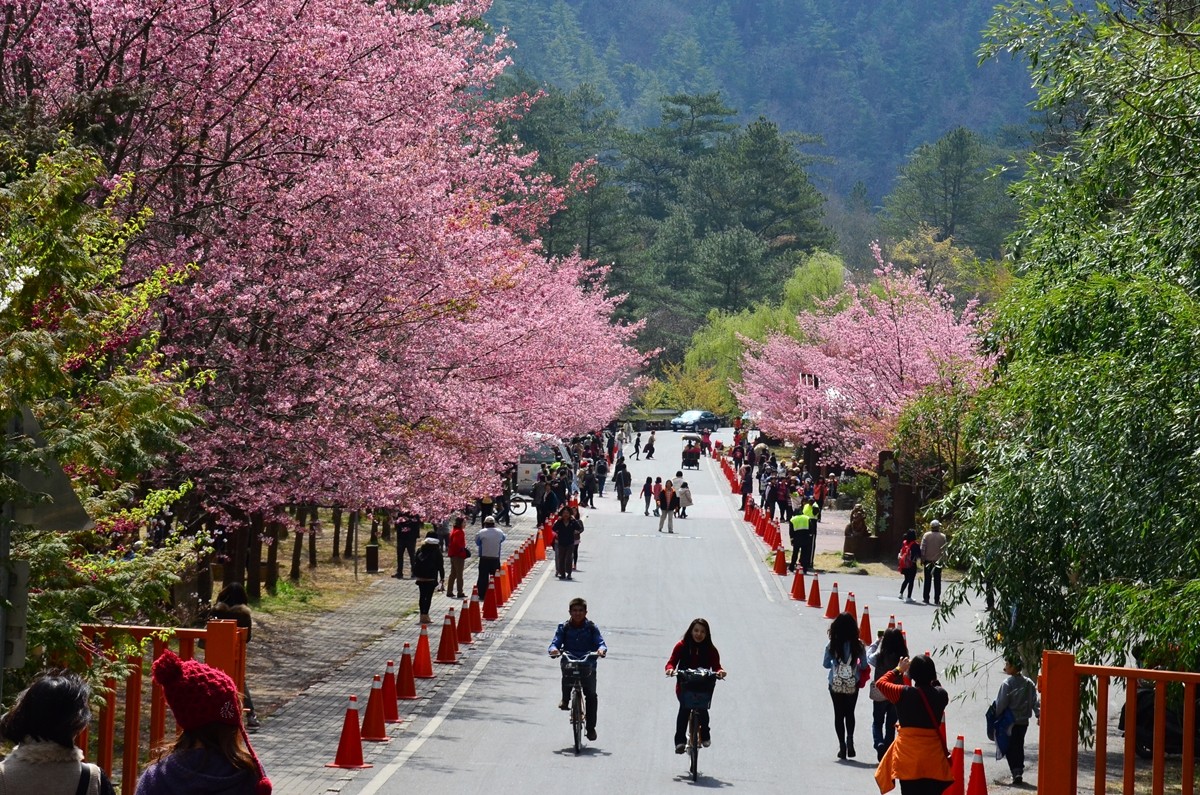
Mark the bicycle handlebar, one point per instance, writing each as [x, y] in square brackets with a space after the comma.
[567, 656]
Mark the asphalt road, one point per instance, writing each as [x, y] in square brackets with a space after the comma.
[499, 731]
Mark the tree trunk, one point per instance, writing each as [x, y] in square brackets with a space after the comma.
[387, 526]
[254, 561]
[240, 538]
[337, 533]
[273, 558]
[351, 529]
[314, 527]
[298, 548]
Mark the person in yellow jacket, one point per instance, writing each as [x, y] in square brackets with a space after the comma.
[917, 758]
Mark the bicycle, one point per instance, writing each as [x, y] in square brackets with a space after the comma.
[574, 669]
[517, 504]
[694, 700]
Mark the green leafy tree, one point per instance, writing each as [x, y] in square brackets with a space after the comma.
[1083, 515]
[77, 349]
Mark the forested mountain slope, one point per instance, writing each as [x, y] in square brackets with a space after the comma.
[874, 78]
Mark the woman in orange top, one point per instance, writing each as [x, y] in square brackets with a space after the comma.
[917, 758]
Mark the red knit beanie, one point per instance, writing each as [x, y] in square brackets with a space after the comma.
[199, 695]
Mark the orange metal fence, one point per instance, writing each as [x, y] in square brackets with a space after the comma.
[224, 645]
[1060, 684]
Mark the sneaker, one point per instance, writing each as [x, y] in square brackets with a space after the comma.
[706, 743]
[591, 735]
[1017, 781]
[680, 748]
[252, 721]
[562, 705]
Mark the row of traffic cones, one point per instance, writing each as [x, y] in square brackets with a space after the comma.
[388, 690]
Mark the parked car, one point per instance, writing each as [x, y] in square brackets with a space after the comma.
[696, 420]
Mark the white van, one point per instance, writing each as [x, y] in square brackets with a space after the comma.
[541, 450]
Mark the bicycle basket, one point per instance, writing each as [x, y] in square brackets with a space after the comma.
[695, 699]
[572, 669]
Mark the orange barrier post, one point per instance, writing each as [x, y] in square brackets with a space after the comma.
[490, 610]
[798, 585]
[476, 615]
[406, 685]
[446, 654]
[349, 751]
[851, 607]
[780, 561]
[978, 783]
[423, 665]
[956, 765]
[833, 608]
[464, 625]
[373, 729]
[391, 709]
[814, 594]
[864, 627]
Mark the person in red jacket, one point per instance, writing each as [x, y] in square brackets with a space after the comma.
[456, 550]
[694, 650]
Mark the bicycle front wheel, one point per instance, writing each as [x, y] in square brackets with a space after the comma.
[517, 507]
[694, 742]
[577, 717]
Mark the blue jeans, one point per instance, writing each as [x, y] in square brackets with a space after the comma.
[883, 724]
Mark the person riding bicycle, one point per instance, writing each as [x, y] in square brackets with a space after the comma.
[694, 650]
[577, 637]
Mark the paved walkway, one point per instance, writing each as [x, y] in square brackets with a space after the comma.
[338, 655]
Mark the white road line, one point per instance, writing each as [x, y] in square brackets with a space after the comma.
[385, 773]
[756, 564]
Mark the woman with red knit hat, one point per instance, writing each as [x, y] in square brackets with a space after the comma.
[213, 754]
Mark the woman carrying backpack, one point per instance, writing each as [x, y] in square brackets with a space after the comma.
[846, 660]
[906, 562]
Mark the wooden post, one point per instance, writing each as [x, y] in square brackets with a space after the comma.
[1058, 738]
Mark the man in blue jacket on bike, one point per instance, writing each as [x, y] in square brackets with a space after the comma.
[578, 637]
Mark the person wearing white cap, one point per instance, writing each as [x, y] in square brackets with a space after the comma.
[932, 544]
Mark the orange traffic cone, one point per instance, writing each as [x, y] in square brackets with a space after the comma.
[798, 585]
[464, 625]
[373, 729]
[832, 608]
[423, 665]
[864, 627]
[454, 631]
[446, 647]
[851, 607]
[349, 752]
[490, 611]
[406, 685]
[978, 783]
[780, 561]
[476, 615]
[391, 710]
[956, 766]
[539, 549]
[891, 622]
[814, 594]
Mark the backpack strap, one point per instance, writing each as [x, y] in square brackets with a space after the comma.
[85, 779]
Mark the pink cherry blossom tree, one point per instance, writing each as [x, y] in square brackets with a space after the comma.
[863, 357]
[371, 311]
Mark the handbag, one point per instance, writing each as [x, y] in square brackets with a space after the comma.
[934, 720]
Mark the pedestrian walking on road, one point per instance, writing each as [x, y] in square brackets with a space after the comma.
[408, 529]
[932, 544]
[623, 483]
[906, 563]
[488, 540]
[213, 753]
[429, 570]
[1019, 694]
[668, 504]
[456, 550]
[649, 448]
[647, 493]
[918, 757]
[884, 655]
[846, 660]
[694, 650]
[637, 447]
[43, 723]
[685, 499]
